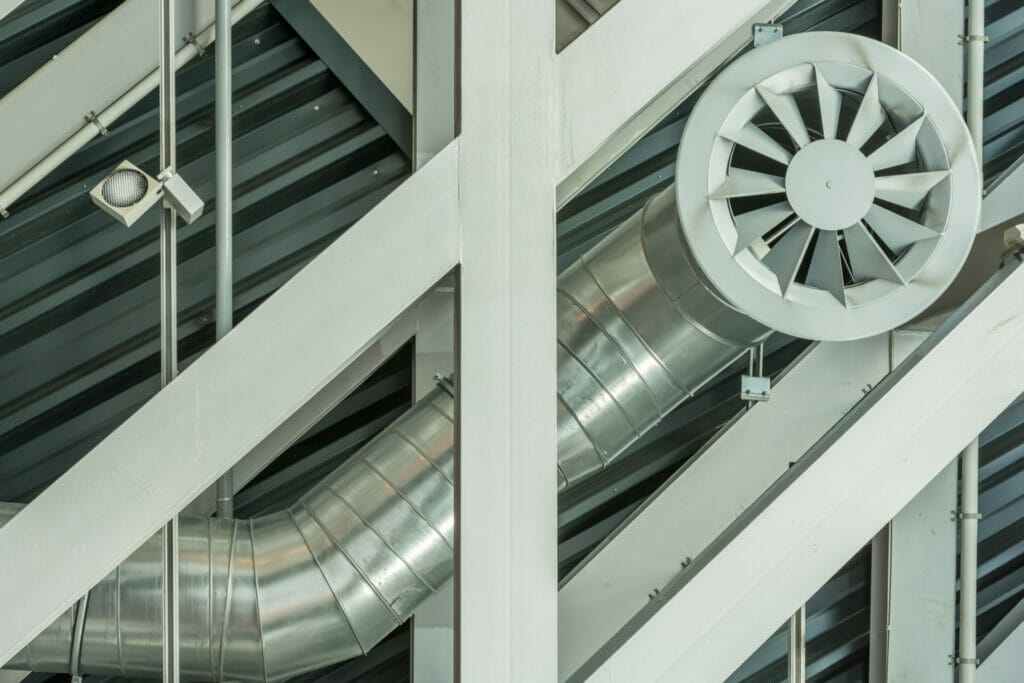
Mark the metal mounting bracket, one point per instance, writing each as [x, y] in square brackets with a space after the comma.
[190, 39]
[445, 384]
[969, 37]
[755, 388]
[766, 33]
[964, 515]
[954, 660]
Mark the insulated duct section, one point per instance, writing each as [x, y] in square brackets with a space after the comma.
[773, 224]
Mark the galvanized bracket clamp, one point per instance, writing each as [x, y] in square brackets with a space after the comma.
[972, 37]
[445, 384]
[954, 660]
[190, 39]
[766, 33]
[95, 120]
[755, 388]
[957, 516]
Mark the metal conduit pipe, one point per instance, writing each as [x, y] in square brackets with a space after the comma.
[642, 324]
[225, 281]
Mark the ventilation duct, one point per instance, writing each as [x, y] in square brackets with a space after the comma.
[829, 200]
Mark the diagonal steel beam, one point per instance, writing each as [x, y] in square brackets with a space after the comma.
[227, 402]
[8, 6]
[634, 66]
[1005, 199]
[350, 69]
[1000, 651]
[644, 554]
[830, 504]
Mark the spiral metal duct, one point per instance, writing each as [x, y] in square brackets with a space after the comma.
[640, 328]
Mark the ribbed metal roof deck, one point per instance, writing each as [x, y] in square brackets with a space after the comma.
[78, 293]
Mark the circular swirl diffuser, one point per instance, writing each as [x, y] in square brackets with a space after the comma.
[827, 186]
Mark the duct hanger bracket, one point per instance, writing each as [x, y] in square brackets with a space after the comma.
[766, 33]
[755, 388]
[445, 384]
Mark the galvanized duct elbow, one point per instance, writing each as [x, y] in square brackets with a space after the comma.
[654, 311]
[275, 596]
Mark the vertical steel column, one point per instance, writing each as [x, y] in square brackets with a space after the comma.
[968, 650]
[797, 658]
[433, 78]
[168, 320]
[506, 502]
[967, 658]
[225, 305]
[976, 72]
[432, 656]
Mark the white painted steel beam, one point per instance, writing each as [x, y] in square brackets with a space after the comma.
[432, 652]
[700, 501]
[306, 417]
[634, 66]
[921, 586]
[228, 401]
[8, 6]
[87, 76]
[1001, 650]
[506, 502]
[831, 503]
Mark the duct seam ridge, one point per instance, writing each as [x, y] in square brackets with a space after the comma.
[401, 494]
[227, 599]
[376, 532]
[337, 601]
[600, 455]
[398, 432]
[348, 558]
[618, 347]
[597, 380]
[625, 321]
[259, 613]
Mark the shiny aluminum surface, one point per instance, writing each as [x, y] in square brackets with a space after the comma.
[275, 596]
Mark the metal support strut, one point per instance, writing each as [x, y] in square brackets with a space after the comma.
[168, 322]
[225, 305]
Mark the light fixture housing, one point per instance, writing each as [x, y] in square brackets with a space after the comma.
[127, 193]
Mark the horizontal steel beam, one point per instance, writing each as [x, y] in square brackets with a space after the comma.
[227, 402]
[833, 500]
[635, 66]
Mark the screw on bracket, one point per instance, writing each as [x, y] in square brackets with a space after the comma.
[445, 384]
[957, 515]
[972, 37]
[95, 120]
[190, 39]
